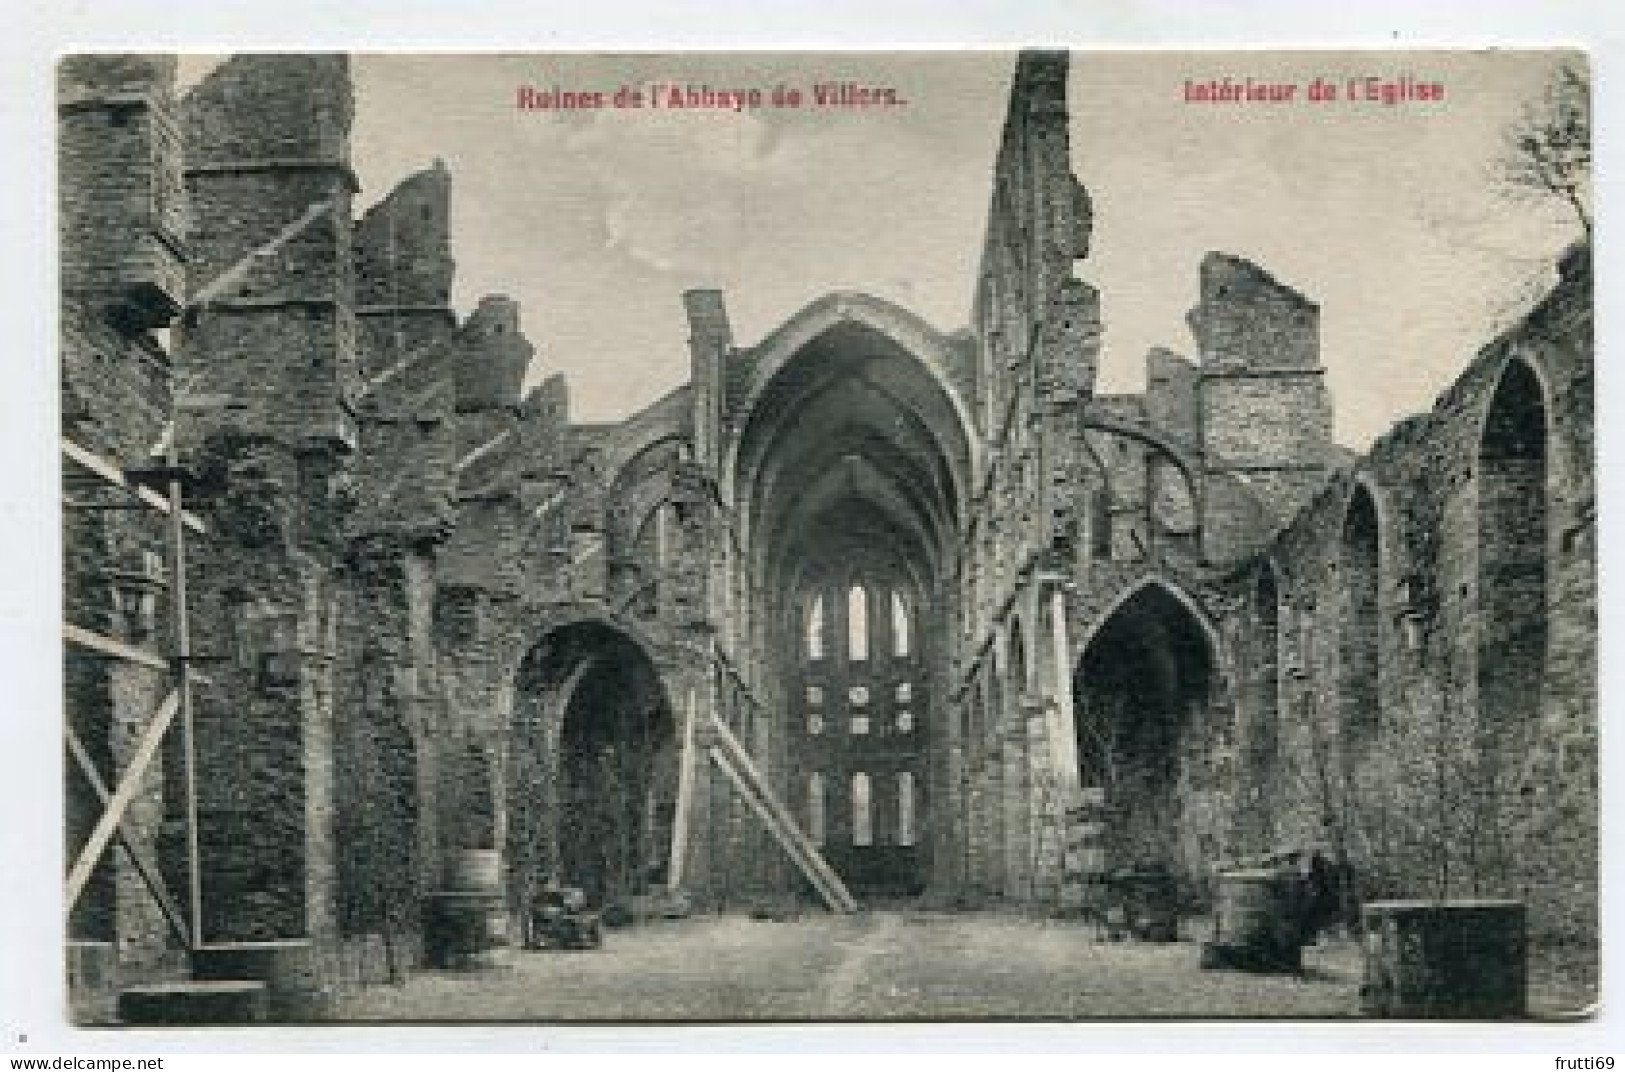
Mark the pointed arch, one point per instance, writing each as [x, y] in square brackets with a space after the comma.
[1514, 515]
[1177, 592]
[1359, 617]
[908, 331]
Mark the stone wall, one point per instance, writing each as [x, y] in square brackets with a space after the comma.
[399, 534]
[123, 266]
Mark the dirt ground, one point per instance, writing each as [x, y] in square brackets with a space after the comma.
[883, 966]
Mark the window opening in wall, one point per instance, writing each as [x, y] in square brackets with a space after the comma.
[815, 807]
[899, 626]
[905, 808]
[857, 624]
[815, 628]
[863, 831]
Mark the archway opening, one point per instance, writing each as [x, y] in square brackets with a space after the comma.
[1512, 551]
[1142, 691]
[849, 476]
[592, 767]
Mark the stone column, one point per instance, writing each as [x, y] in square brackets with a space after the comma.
[1045, 817]
[1017, 826]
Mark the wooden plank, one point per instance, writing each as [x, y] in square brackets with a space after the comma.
[780, 822]
[114, 475]
[150, 875]
[791, 829]
[117, 649]
[748, 794]
[128, 785]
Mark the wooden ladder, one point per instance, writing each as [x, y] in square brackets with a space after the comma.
[730, 756]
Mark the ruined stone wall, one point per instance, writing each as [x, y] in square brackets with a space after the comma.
[123, 267]
[1438, 799]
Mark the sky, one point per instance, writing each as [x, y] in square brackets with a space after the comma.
[1391, 217]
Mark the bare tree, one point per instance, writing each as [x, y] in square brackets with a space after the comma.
[1548, 149]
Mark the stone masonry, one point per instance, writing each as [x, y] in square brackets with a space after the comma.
[440, 617]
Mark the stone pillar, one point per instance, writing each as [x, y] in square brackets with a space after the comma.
[976, 830]
[1063, 730]
[1045, 815]
[701, 789]
[1016, 800]
[949, 869]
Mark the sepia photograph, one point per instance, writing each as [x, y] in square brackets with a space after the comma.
[773, 537]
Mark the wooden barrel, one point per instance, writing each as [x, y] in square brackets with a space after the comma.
[1460, 959]
[466, 929]
[1258, 918]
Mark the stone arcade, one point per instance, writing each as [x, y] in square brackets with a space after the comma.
[934, 587]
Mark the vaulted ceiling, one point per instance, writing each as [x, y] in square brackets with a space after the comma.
[854, 450]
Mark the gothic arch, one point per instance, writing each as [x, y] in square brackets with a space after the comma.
[909, 332]
[1360, 548]
[1514, 526]
[1146, 688]
[1129, 591]
[591, 761]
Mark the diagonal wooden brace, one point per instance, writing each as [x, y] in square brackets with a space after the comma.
[150, 875]
[129, 784]
[735, 762]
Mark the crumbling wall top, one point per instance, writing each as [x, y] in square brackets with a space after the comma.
[1246, 319]
[105, 76]
[403, 245]
[271, 108]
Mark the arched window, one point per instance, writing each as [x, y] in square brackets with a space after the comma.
[1512, 550]
[900, 639]
[815, 628]
[905, 808]
[857, 624]
[1357, 627]
[863, 830]
[815, 807]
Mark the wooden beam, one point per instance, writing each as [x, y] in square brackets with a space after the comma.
[129, 784]
[735, 762]
[114, 475]
[117, 649]
[150, 875]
